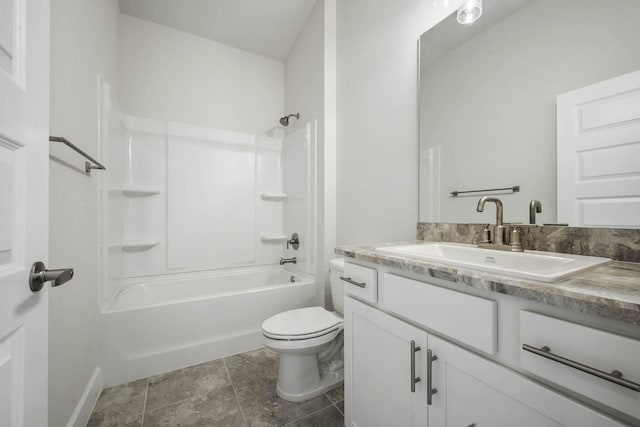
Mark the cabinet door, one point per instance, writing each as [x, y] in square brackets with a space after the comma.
[472, 391]
[378, 376]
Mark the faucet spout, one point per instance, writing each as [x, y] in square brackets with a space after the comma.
[498, 203]
[534, 207]
[500, 228]
[284, 261]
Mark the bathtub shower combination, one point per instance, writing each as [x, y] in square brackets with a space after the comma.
[160, 325]
[195, 221]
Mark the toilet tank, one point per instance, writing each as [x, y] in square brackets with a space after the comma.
[336, 269]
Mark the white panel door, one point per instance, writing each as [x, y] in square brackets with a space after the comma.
[378, 369]
[472, 391]
[599, 154]
[24, 181]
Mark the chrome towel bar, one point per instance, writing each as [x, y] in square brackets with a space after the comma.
[515, 189]
[614, 377]
[88, 166]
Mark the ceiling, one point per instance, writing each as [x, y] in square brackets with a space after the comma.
[266, 27]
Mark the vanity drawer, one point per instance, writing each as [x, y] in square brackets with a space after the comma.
[361, 282]
[591, 348]
[466, 318]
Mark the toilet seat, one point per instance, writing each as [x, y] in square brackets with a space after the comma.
[301, 324]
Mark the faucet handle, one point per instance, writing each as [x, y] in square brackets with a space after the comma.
[516, 243]
[294, 241]
[486, 235]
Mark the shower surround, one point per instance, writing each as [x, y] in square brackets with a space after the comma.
[194, 223]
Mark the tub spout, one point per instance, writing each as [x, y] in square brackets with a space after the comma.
[284, 261]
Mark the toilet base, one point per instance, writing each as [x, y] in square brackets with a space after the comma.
[327, 381]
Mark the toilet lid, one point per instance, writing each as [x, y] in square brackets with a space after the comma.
[301, 323]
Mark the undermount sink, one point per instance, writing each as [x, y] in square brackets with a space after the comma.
[535, 265]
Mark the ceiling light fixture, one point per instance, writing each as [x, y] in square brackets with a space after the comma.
[469, 12]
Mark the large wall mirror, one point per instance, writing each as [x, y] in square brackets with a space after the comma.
[488, 99]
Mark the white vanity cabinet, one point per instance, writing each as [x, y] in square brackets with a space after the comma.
[467, 389]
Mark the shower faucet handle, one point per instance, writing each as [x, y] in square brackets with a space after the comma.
[294, 241]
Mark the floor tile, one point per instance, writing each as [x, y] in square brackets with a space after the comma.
[120, 406]
[217, 408]
[253, 366]
[336, 395]
[182, 384]
[329, 417]
[205, 395]
[263, 407]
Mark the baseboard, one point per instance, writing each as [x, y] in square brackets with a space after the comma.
[87, 401]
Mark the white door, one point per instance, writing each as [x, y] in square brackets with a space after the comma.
[24, 181]
[472, 391]
[599, 154]
[378, 377]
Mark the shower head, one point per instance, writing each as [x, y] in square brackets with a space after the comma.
[284, 121]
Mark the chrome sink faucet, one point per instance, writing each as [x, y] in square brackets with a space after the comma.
[534, 207]
[500, 228]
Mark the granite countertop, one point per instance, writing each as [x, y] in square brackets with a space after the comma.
[611, 290]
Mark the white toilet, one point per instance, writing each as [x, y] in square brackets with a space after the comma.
[310, 343]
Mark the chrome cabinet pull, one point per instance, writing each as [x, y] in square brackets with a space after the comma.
[414, 379]
[353, 282]
[614, 377]
[430, 391]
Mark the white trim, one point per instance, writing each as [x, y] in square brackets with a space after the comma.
[87, 401]
[9, 143]
[17, 74]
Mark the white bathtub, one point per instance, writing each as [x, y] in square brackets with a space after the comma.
[161, 325]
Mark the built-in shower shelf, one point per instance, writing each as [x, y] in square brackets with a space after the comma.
[273, 238]
[133, 245]
[135, 191]
[275, 197]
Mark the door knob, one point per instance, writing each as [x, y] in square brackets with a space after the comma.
[39, 275]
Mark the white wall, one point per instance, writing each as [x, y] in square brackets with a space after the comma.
[207, 211]
[83, 46]
[377, 124]
[299, 210]
[175, 76]
[310, 90]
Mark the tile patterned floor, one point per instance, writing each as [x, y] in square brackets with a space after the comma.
[239, 390]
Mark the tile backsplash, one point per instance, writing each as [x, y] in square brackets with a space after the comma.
[622, 244]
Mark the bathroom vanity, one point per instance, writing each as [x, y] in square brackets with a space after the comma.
[428, 344]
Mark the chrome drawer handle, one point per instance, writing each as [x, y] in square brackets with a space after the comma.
[414, 379]
[430, 391]
[614, 377]
[353, 282]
